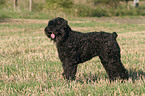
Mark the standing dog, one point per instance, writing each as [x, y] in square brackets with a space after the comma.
[76, 47]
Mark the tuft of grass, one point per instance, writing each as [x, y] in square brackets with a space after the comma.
[29, 63]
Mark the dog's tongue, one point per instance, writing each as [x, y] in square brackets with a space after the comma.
[52, 36]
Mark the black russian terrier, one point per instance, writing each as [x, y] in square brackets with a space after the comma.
[75, 47]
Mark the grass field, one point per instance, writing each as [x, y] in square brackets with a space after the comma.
[29, 63]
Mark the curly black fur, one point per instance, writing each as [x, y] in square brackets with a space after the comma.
[76, 47]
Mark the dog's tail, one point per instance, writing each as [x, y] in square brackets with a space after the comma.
[114, 34]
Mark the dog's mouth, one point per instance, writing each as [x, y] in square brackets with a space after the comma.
[51, 35]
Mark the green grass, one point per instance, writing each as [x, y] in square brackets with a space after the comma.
[9, 13]
[29, 63]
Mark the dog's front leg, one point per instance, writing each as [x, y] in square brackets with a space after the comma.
[69, 71]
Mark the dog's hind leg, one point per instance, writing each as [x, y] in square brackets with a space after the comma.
[110, 58]
[114, 67]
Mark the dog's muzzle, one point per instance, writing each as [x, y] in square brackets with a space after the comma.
[49, 33]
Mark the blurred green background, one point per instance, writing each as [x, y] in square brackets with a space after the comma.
[40, 9]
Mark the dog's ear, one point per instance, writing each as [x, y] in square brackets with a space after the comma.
[66, 26]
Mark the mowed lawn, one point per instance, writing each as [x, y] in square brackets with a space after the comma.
[29, 63]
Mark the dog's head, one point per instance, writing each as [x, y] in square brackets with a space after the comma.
[57, 29]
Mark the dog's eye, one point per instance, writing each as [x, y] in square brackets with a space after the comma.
[47, 29]
[57, 30]
[59, 34]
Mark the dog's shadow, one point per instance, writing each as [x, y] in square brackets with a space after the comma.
[136, 74]
[133, 75]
